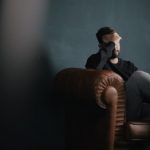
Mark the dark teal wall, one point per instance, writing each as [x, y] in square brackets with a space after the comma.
[73, 24]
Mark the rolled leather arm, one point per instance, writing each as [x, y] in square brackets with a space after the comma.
[103, 88]
[88, 84]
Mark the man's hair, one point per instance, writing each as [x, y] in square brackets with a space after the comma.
[102, 31]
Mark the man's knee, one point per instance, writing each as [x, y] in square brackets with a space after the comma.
[139, 75]
[140, 72]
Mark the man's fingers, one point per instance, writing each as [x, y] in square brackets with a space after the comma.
[117, 36]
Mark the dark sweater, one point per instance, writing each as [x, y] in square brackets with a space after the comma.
[101, 61]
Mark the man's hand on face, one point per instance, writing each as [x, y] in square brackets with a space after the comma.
[114, 37]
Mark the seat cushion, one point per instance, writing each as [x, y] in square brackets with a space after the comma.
[138, 130]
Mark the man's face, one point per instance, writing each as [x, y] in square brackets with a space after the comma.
[115, 53]
[115, 37]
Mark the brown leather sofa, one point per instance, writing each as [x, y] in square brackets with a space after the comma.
[94, 103]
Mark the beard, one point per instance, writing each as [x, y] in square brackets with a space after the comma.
[115, 54]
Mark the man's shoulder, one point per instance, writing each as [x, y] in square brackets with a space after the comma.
[92, 60]
[126, 61]
[130, 65]
[94, 56]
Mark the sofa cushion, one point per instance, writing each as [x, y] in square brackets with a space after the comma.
[138, 130]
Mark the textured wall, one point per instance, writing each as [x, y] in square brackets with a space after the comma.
[73, 24]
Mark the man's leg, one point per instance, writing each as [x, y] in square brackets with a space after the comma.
[138, 96]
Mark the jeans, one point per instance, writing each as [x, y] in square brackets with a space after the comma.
[138, 96]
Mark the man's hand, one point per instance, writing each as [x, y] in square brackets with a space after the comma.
[114, 37]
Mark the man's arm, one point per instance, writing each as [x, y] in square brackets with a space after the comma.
[105, 54]
[97, 61]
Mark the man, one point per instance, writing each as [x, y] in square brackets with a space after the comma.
[137, 82]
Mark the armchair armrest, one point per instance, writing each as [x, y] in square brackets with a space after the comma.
[88, 84]
[103, 88]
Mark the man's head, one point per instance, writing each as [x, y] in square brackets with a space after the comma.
[104, 32]
[105, 35]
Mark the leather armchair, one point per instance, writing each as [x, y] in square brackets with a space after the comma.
[94, 106]
[94, 103]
